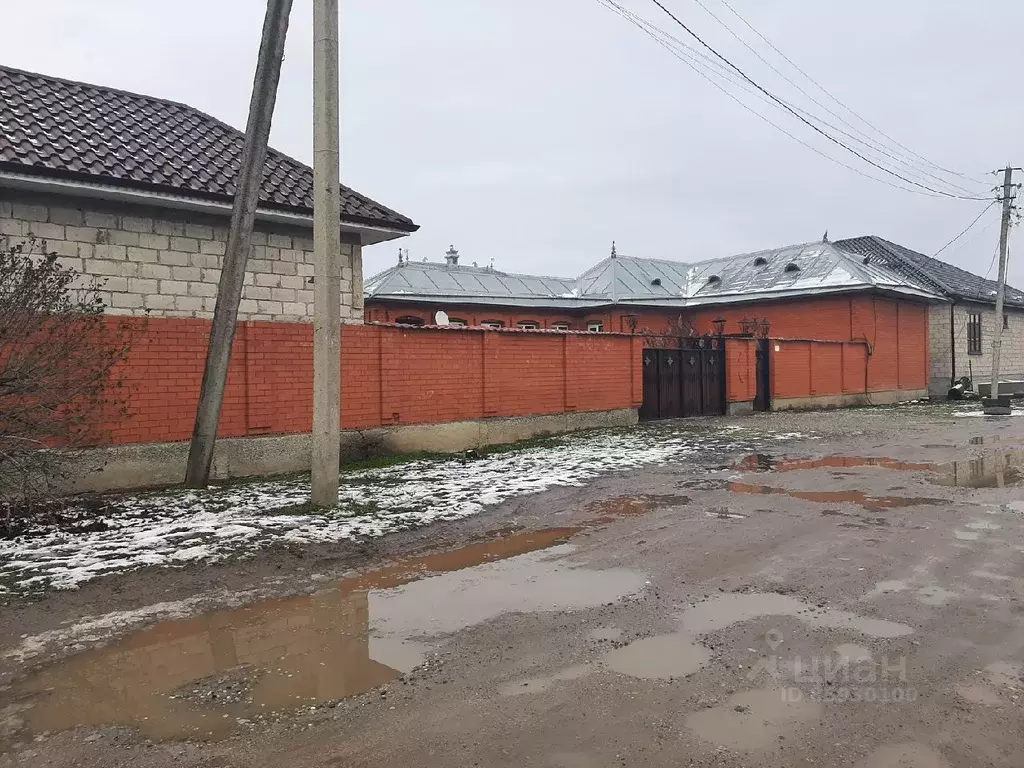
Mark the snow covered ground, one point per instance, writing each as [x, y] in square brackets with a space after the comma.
[177, 527]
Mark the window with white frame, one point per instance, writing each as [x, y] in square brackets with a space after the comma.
[595, 326]
[491, 324]
[559, 326]
[527, 325]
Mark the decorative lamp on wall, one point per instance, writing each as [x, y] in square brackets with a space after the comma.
[748, 325]
[764, 327]
[719, 323]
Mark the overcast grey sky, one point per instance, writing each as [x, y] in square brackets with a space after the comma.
[535, 132]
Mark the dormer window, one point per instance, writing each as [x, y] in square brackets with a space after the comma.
[760, 261]
[791, 267]
[714, 280]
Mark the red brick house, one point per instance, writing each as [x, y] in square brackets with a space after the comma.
[843, 328]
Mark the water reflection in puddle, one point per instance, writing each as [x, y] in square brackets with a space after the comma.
[196, 678]
[997, 469]
[871, 503]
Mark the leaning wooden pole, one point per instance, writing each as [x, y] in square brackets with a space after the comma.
[243, 215]
[327, 257]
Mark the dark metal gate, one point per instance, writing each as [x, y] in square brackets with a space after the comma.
[763, 398]
[688, 381]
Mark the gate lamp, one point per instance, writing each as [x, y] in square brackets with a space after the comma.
[765, 325]
[719, 323]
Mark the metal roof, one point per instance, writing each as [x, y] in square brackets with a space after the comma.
[477, 285]
[797, 270]
[945, 278]
[62, 129]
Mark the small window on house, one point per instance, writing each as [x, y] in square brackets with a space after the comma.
[714, 280]
[974, 334]
[559, 326]
[457, 322]
[760, 261]
[791, 267]
[595, 327]
[527, 325]
[656, 281]
[410, 320]
[492, 324]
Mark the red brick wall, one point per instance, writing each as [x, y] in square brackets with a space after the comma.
[390, 312]
[740, 370]
[389, 376]
[895, 331]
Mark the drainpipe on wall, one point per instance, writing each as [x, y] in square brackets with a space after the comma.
[952, 346]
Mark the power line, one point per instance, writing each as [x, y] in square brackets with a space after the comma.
[861, 137]
[800, 117]
[663, 39]
[653, 31]
[968, 229]
[837, 100]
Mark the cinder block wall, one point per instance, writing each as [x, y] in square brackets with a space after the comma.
[1012, 355]
[166, 263]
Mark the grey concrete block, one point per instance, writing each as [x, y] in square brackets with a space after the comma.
[198, 231]
[155, 271]
[137, 224]
[158, 301]
[202, 289]
[188, 303]
[99, 219]
[175, 258]
[158, 242]
[186, 273]
[126, 300]
[70, 216]
[173, 288]
[142, 286]
[282, 294]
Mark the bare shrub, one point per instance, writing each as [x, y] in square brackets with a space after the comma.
[59, 378]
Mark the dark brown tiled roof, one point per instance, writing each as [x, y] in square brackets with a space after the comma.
[954, 282]
[65, 129]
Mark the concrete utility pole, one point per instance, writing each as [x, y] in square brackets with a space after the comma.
[996, 406]
[327, 257]
[243, 214]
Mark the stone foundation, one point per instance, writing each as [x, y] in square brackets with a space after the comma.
[150, 465]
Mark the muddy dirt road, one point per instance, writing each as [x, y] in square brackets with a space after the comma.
[856, 599]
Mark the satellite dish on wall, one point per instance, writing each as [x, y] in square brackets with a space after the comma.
[440, 317]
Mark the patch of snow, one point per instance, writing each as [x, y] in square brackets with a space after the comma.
[971, 414]
[91, 629]
[178, 527]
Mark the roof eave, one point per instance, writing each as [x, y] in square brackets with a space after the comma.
[496, 301]
[369, 234]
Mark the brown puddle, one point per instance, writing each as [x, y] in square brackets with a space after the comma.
[196, 678]
[870, 503]
[760, 462]
[995, 470]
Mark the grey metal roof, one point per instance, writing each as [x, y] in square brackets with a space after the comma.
[426, 279]
[945, 278]
[796, 270]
